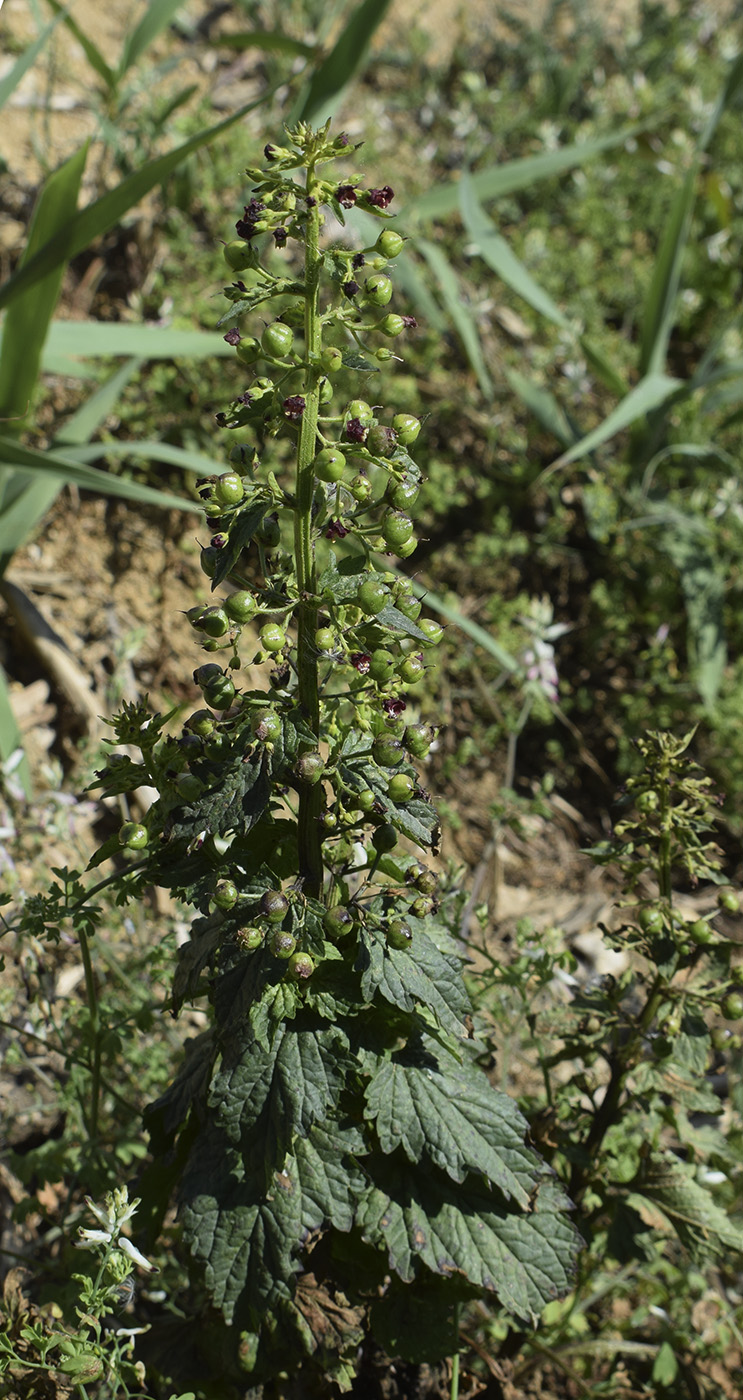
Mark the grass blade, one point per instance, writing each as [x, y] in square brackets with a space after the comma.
[36, 464]
[156, 17]
[659, 312]
[88, 418]
[147, 342]
[497, 180]
[103, 213]
[10, 737]
[343, 62]
[603, 368]
[463, 320]
[27, 320]
[28, 505]
[270, 40]
[10, 82]
[652, 391]
[500, 258]
[452, 614]
[543, 405]
[92, 52]
[151, 451]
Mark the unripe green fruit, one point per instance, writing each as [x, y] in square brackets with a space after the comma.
[331, 359]
[274, 906]
[277, 340]
[404, 551]
[134, 836]
[225, 895]
[273, 637]
[651, 921]
[381, 666]
[380, 441]
[365, 800]
[220, 694]
[213, 621]
[701, 933]
[422, 907]
[301, 966]
[729, 901]
[431, 630]
[329, 465]
[282, 943]
[338, 922]
[209, 559]
[412, 670]
[359, 408]
[208, 674]
[409, 606]
[361, 489]
[399, 935]
[229, 489]
[407, 427]
[384, 838]
[400, 787]
[426, 882]
[386, 751]
[201, 722]
[389, 243]
[325, 639]
[266, 727]
[325, 391]
[249, 350]
[397, 528]
[378, 289]
[269, 532]
[216, 746]
[732, 1006]
[372, 596]
[402, 494]
[383, 355]
[328, 822]
[188, 786]
[417, 740]
[392, 325]
[240, 606]
[239, 255]
[310, 767]
[646, 802]
[249, 938]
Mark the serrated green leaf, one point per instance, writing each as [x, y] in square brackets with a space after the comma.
[164, 1117]
[236, 803]
[526, 1259]
[329, 1181]
[256, 296]
[701, 1225]
[360, 363]
[391, 617]
[241, 533]
[194, 957]
[432, 1106]
[277, 1003]
[421, 975]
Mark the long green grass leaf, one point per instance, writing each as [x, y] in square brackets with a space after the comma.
[452, 614]
[28, 318]
[10, 737]
[151, 451]
[660, 305]
[603, 368]
[462, 318]
[343, 62]
[500, 257]
[498, 180]
[29, 504]
[10, 82]
[103, 213]
[116, 338]
[92, 52]
[59, 465]
[543, 405]
[157, 15]
[89, 416]
[652, 391]
[729, 93]
[270, 40]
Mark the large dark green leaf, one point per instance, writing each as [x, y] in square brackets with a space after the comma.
[422, 976]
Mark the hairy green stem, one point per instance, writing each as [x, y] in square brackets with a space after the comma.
[310, 797]
[95, 1026]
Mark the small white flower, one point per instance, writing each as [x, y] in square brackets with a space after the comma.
[133, 1253]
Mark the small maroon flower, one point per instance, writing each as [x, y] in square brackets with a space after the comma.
[346, 195]
[343, 139]
[240, 286]
[219, 541]
[381, 198]
[350, 288]
[355, 430]
[233, 337]
[409, 322]
[358, 260]
[336, 531]
[294, 407]
[220, 418]
[246, 398]
[360, 662]
[269, 152]
[213, 523]
[279, 237]
[310, 201]
[393, 706]
[245, 227]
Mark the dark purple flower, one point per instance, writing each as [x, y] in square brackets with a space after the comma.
[358, 260]
[393, 706]
[360, 662]
[268, 151]
[336, 531]
[245, 227]
[343, 139]
[220, 418]
[294, 407]
[381, 198]
[355, 430]
[350, 288]
[310, 201]
[240, 286]
[409, 322]
[279, 237]
[219, 541]
[233, 337]
[246, 398]
[346, 195]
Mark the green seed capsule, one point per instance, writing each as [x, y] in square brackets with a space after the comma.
[282, 943]
[310, 767]
[431, 630]
[417, 740]
[407, 427]
[214, 621]
[273, 637]
[382, 355]
[381, 441]
[239, 255]
[359, 408]
[188, 786]
[338, 922]
[240, 606]
[225, 895]
[325, 639]
[331, 359]
[202, 722]
[384, 838]
[249, 938]
[229, 489]
[381, 666]
[269, 532]
[371, 597]
[732, 1007]
[361, 489]
[274, 906]
[397, 528]
[277, 340]
[220, 694]
[399, 934]
[400, 787]
[249, 350]
[409, 606]
[378, 289]
[134, 836]
[392, 325]
[209, 560]
[329, 465]
[301, 966]
[412, 670]
[387, 751]
[365, 799]
[266, 727]
[389, 243]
